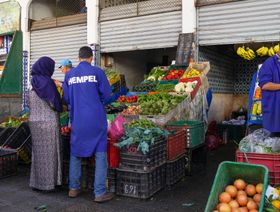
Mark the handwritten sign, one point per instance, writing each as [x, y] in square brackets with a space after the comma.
[9, 17]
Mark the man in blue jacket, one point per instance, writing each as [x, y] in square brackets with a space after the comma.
[269, 81]
[85, 89]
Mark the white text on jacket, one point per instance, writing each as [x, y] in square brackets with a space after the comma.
[82, 79]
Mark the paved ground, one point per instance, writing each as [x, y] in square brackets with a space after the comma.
[188, 195]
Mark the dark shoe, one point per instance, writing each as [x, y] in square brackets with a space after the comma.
[104, 198]
[74, 193]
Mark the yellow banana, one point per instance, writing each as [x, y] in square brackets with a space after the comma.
[271, 52]
[239, 51]
[265, 51]
[251, 53]
[260, 50]
[276, 48]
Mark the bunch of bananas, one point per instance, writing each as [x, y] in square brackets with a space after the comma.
[247, 54]
[271, 52]
[263, 51]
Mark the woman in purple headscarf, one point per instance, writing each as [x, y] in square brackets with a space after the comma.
[45, 105]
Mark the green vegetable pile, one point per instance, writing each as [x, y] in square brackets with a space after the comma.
[142, 137]
[142, 123]
[12, 122]
[156, 74]
[165, 87]
[158, 104]
[145, 86]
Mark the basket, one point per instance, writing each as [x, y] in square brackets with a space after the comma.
[132, 159]
[20, 140]
[230, 171]
[141, 185]
[195, 134]
[113, 154]
[176, 143]
[8, 162]
[175, 170]
[195, 90]
[271, 161]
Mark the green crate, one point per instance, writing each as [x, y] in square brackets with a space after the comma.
[230, 171]
[195, 134]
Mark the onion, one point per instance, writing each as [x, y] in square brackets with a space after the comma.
[225, 208]
[242, 200]
[259, 188]
[224, 197]
[240, 184]
[233, 204]
[241, 192]
[231, 190]
[235, 210]
[254, 210]
[251, 205]
[257, 198]
[243, 209]
[250, 190]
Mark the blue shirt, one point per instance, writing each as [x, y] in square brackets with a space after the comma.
[85, 89]
[270, 72]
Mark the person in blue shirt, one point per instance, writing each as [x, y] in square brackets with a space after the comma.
[269, 81]
[85, 89]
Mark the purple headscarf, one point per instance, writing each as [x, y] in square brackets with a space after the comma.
[43, 84]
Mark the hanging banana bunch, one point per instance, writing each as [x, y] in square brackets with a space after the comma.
[276, 48]
[247, 54]
[263, 51]
[271, 52]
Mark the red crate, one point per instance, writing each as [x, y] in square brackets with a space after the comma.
[195, 90]
[271, 161]
[113, 154]
[176, 142]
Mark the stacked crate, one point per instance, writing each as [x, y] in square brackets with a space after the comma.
[142, 175]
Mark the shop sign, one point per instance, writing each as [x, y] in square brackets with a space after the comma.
[9, 17]
[200, 3]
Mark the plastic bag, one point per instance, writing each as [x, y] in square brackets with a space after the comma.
[212, 142]
[116, 131]
[260, 142]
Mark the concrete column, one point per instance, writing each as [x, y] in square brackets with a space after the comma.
[93, 29]
[188, 16]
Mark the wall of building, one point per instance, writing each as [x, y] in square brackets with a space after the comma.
[40, 9]
[9, 106]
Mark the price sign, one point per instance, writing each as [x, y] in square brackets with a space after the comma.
[130, 189]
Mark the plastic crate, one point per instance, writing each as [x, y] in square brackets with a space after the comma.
[141, 185]
[8, 162]
[195, 134]
[195, 90]
[5, 134]
[20, 140]
[230, 171]
[174, 82]
[175, 170]
[132, 159]
[113, 154]
[176, 142]
[271, 161]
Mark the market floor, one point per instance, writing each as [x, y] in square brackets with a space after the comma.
[190, 194]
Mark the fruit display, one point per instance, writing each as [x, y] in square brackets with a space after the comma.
[131, 110]
[263, 51]
[127, 99]
[165, 87]
[145, 86]
[157, 73]
[65, 130]
[174, 74]
[240, 197]
[112, 76]
[12, 122]
[158, 104]
[249, 54]
[192, 73]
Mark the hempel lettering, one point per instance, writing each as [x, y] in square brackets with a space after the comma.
[83, 79]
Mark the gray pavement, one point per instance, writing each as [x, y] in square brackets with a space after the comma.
[188, 195]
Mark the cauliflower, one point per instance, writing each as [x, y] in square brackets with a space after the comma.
[180, 87]
[188, 89]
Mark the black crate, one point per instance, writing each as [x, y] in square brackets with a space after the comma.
[132, 159]
[20, 140]
[65, 145]
[123, 82]
[8, 162]
[175, 170]
[141, 185]
[5, 134]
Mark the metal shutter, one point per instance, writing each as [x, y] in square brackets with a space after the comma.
[58, 43]
[239, 22]
[155, 26]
